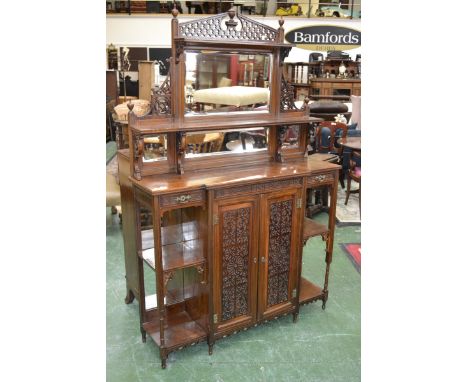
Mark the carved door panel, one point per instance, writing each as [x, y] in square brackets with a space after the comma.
[278, 252]
[235, 262]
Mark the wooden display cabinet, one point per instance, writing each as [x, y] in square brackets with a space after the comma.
[223, 250]
[309, 78]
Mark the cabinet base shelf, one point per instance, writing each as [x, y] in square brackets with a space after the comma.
[309, 292]
[181, 331]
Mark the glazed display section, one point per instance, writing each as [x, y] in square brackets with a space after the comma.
[214, 199]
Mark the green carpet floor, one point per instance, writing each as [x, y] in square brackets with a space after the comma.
[323, 346]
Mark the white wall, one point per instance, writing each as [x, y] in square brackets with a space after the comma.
[155, 30]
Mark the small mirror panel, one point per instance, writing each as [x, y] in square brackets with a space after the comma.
[154, 148]
[226, 142]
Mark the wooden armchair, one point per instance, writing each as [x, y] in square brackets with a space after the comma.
[326, 149]
[326, 136]
[354, 173]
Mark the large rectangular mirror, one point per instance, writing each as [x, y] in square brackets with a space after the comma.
[225, 142]
[218, 82]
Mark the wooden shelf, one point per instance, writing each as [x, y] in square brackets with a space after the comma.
[312, 228]
[309, 291]
[177, 256]
[173, 296]
[181, 330]
[152, 125]
[172, 234]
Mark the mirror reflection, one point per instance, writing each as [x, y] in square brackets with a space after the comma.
[154, 148]
[226, 142]
[291, 138]
[218, 82]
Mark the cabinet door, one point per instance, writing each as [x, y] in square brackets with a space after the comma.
[278, 252]
[235, 262]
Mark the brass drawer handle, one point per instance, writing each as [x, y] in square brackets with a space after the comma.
[183, 198]
[320, 178]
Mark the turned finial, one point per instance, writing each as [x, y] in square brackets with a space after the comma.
[306, 100]
[130, 105]
[175, 11]
[231, 23]
[281, 21]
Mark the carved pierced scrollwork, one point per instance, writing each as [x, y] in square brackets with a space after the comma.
[138, 146]
[279, 251]
[287, 96]
[161, 98]
[181, 146]
[235, 262]
[225, 27]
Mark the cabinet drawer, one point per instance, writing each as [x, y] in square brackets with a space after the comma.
[341, 85]
[317, 180]
[192, 197]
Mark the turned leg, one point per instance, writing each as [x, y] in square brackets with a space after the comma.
[341, 177]
[163, 356]
[143, 334]
[210, 349]
[348, 189]
[359, 199]
[324, 303]
[295, 314]
[129, 297]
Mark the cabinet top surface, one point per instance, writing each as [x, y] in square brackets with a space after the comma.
[226, 177]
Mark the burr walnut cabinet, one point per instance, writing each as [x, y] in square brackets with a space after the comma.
[213, 198]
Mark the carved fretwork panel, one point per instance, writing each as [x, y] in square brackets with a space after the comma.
[238, 28]
[161, 98]
[287, 96]
[235, 262]
[279, 251]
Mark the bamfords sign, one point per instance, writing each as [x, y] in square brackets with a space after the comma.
[324, 37]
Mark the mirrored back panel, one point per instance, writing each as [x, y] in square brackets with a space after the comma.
[218, 82]
[226, 142]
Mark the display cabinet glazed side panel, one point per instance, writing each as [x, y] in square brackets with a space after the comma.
[128, 223]
[235, 262]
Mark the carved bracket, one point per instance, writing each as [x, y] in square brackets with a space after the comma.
[181, 147]
[281, 134]
[284, 52]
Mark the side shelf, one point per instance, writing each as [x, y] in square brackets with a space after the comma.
[180, 331]
[309, 292]
[312, 228]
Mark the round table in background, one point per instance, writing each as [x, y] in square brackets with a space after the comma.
[353, 143]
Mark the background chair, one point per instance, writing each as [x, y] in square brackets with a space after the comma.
[326, 137]
[354, 173]
[112, 193]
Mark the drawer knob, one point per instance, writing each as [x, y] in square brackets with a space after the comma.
[183, 198]
[320, 178]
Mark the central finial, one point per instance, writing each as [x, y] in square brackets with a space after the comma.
[281, 21]
[231, 23]
[175, 11]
